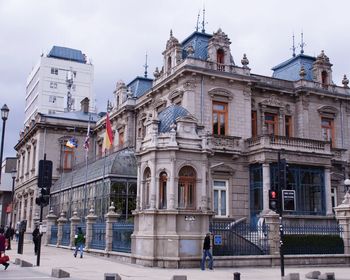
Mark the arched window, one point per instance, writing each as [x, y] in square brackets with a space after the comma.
[220, 58]
[162, 190]
[186, 188]
[324, 77]
[146, 187]
[169, 64]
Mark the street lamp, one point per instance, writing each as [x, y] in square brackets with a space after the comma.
[13, 175]
[4, 115]
[347, 185]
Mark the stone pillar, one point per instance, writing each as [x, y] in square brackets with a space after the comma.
[204, 198]
[328, 191]
[51, 220]
[74, 221]
[342, 214]
[138, 194]
[90, 220]
[153, 186]
[171, 194]
[111, 217]
[61, 221]
[266, 185]
[272, 222]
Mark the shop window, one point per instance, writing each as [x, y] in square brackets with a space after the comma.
[271, 122]
[220, 198]
[186, 188]
[163, 190]
[219, 118]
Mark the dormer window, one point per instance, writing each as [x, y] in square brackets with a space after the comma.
[324, 77]
[220, 58]
[169, 64]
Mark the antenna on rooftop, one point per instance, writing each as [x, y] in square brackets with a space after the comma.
[197, 25]
[146, 66]
[293, 47]
[302, 44]
[203, 21]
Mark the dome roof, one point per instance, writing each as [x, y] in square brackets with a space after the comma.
[169, 115]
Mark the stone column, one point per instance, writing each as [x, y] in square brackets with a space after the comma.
[342, 214]
[51, 220]
[90, 220]
[111, 217]
[61, 221]
[74, 221]
[204, 198]
[328, 191]
[138, 193]
[171, 193]
[266, 185]
[272, 222]
[153, 186]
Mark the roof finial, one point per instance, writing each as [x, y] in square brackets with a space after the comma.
[197, 25]
[203, 21]
[146, 66]
[293, 47]
[171, 33]
[302, 44]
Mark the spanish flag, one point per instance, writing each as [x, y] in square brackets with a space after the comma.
[108, 141]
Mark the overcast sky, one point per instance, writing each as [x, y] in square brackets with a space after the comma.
[116, 34]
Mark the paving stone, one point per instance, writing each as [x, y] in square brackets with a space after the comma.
[26, 264]
[327, 276]
[17, 261]
[313, 275]
[59, 273]
[112, 276]
[292, 276]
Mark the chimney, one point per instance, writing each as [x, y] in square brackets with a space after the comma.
[85, 105]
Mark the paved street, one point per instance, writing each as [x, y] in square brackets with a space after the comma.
[93, 267]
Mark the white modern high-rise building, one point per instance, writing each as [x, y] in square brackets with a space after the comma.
[58, 83]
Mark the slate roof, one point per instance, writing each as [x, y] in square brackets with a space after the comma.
[289, 69]
[169, 115]
[67, 54]
[75, 115]
[119, 164]
[199, 42]
[140, 85]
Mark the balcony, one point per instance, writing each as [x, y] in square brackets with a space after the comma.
[225, 144]
[275, 142]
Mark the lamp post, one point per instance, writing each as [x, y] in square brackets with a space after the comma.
[4, 115]
[13, 175]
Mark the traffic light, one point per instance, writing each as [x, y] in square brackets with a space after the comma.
[45, 174]
[44, 198]
[273, 200]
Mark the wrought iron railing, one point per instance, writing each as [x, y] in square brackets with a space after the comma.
[54, 231]
[65, 234]
[239, 238]
[98, 240]
[313, 239]
[122, 236]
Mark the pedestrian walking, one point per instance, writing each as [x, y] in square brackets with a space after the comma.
[79, 242]
[36, 239]
[8, 234]
[206, 253]
[2, 249]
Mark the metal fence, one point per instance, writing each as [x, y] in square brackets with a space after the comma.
[313, 239]
[233, 238]
[54, 231]
[65, 234]
[98, 240]
[122, 236]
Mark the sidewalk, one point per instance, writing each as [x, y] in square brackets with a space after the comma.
[93, 267]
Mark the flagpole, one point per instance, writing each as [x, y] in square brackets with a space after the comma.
[103, 184]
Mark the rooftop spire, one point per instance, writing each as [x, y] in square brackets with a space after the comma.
[203, 21]
[302, 44]
[197, 25]
[293, 47]
[146, 66]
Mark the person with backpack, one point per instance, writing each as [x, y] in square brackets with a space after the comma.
[79, 242]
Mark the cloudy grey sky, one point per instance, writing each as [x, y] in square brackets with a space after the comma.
[116, 34]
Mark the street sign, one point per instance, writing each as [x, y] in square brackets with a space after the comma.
[288, 200]
[217, 240]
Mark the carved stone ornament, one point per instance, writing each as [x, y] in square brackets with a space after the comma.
[159, 103]
[329, 111]
[175, 94]
[245, 61]
[220, 92]
[156, 73]
[189, 84]
[345, 82]
[302, 72]
[272, 101]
